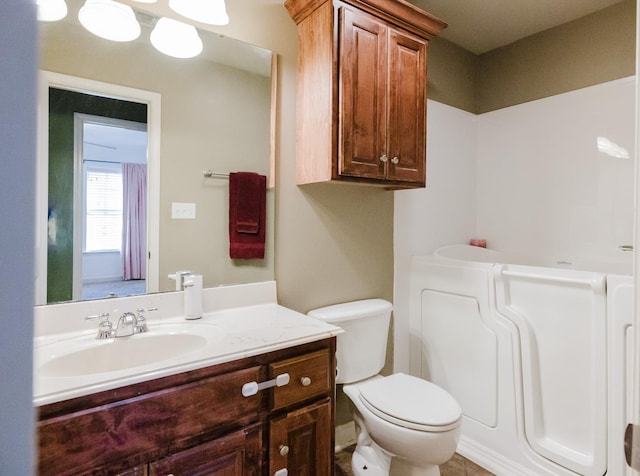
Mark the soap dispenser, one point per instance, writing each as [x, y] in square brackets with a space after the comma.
[192, 296]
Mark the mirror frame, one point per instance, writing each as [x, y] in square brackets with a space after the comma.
[48, 79]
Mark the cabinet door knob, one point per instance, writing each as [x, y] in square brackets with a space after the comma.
[305, 381]
[384, 158]
[395, 160]
[281, 472]
[284, 450]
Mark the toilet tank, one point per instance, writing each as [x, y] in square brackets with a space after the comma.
[361, 349]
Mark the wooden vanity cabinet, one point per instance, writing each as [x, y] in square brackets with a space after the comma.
[362, 82]
[236, 454]
[199, 422]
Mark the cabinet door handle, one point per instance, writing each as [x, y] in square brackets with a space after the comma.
[251, 388]
[384, 158]
[305, 381]
[395, 160]
[284, 450]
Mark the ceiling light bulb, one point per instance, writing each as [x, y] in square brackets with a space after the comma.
[51, 10]
[109, 20]
[176, 39]
[212, 12]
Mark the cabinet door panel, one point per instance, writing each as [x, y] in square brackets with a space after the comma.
[301, 441]
[237, 454]
[407, 107]
[363, 85]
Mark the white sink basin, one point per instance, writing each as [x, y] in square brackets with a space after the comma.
[86, 355]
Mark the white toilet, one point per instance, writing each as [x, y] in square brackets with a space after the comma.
[405, 425]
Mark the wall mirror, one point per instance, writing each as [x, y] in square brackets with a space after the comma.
[213, 113]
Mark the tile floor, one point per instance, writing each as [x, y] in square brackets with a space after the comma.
[456, 466]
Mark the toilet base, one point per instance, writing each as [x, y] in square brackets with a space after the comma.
[366, 464]
[369, 459]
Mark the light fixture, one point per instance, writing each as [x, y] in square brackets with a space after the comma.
[51, 10]
[109, 20]
[212, 12]
[146, 1]
[176, 39]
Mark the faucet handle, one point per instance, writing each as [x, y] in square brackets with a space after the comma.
[105, 328]
[147, 309]
[140, 325]
[104, 316]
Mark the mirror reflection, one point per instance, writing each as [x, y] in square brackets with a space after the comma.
[208, 113]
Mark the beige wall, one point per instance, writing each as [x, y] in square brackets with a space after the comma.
[590, 50]
[452, 75]
[594, 49]
[333, 242]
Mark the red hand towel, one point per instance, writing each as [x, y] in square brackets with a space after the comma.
[247, 215]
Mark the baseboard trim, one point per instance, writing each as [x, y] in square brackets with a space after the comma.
[345, 436]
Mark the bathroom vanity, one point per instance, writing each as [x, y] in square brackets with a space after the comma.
[260, 401]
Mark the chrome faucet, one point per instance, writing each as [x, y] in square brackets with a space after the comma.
[128, 324]
[125, 325]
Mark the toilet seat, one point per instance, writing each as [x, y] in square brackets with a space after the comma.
[411, 402]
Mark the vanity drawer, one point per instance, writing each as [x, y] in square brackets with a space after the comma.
[146, 426]
[309, 377]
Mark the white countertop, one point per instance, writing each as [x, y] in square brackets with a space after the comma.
[245, 331]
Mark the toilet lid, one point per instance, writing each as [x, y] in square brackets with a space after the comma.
[411, 402]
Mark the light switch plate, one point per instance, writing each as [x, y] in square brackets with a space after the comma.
[183, 211]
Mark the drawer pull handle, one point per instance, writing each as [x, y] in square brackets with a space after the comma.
[281, 472]
[251, 388]
[305, 381]
[284, 450]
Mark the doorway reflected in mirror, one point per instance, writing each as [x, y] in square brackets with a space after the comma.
[97, 196]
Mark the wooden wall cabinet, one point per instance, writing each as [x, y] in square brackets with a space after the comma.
[199, 422]
[362, 91]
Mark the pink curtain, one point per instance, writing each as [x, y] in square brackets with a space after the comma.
[134, 221]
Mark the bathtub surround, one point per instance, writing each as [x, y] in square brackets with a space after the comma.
[528, 179]
[520, 343]
[531, 180]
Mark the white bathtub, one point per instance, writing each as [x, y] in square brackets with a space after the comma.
[537, 356]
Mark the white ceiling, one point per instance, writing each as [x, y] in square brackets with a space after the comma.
[483, 25]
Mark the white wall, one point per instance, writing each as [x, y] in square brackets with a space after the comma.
[442, 213]
[543, 186]
[17, 136]
[528, 179]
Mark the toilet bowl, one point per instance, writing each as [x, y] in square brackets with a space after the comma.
[413, 424]
[405, 426]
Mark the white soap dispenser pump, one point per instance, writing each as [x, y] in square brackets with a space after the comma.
[192, 296]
